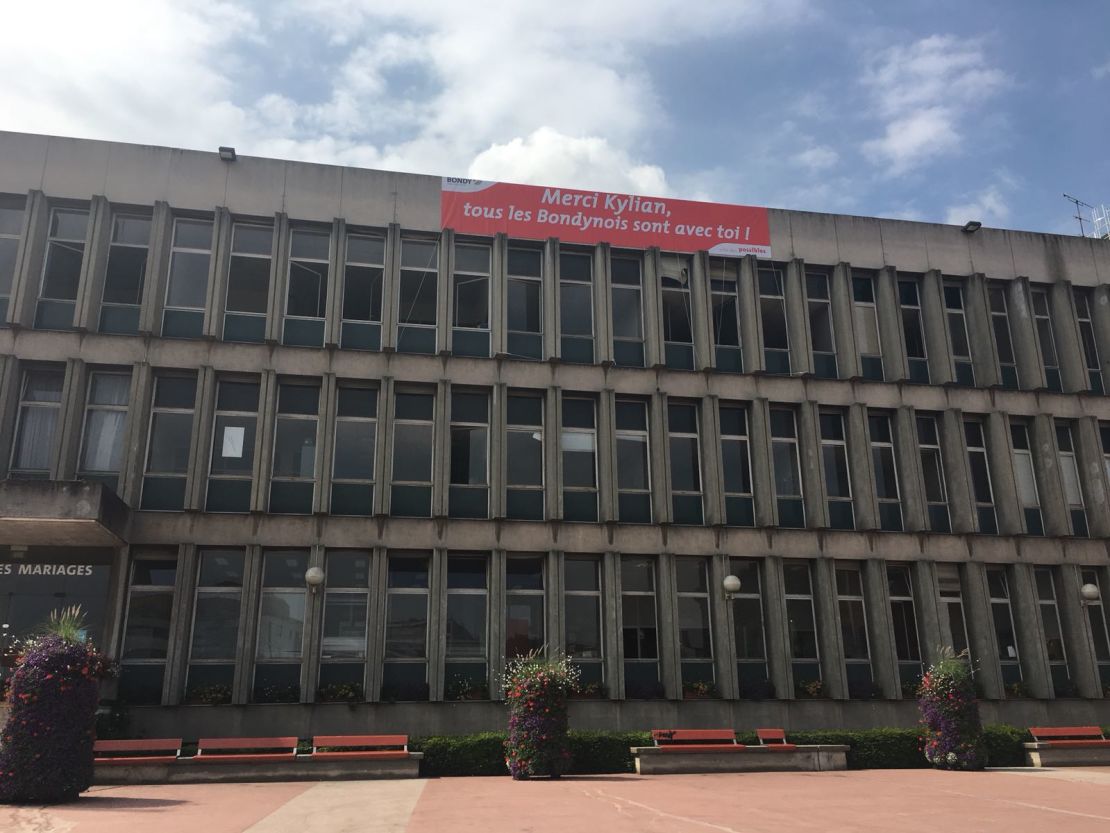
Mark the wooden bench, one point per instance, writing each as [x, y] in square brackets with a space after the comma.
[360, 747]
[143, 751]
[1067, 746]
[716, 750]
[244, 750]
[696, 740]
[774, 739]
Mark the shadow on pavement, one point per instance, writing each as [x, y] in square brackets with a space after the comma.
[99, 801]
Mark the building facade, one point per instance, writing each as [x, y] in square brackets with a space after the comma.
[217, 375]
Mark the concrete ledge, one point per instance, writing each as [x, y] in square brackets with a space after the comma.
[188, 771]
[655, 760]
[1045, 754]
[57, 513]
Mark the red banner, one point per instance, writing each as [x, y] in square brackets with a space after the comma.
[474, 206]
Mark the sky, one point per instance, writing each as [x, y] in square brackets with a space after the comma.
[941, 111]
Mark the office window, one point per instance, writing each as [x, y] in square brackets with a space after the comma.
[903, 617]
[231, 471]
[411, 491]
[466, 645]
[576, 307]
[685, 459]
[187, 284]
[146, 630]
[786, 469]
[582, 620]
[40, 398]
[281, 620]
[1046, 338]
[1096, 620]
[1091, 360]
[470, 300]
[417, 296]
[61, 270]
[628, 311]
[1003, 342]
[169, 442]
[724, 280]
[958, 341]
[525, 303]
[1053, 630]
[363, 273]
[105, 422]
[1002, 618]
[678, 329]
[805, 659]
[913, 329]
[952, 601]
[932, 470]
[736, 465]
[695, 640]
[579, 447]
[524, 457]
[125, 275]
[822, 334]
[248, 282]
[343, 643]
[772, 312]
[1069, 474]
[633, 462]
[1026, 476]
[215, 637]
[468, 496]
[853, 631]
[865, 316]
[306, 299]
[525, 629]
[405, 666]
[982, 493]
[353, 455]
[834, 464]
[293, 480]
[640, 629]
[885, 471]
[750, 636]
[11, 228]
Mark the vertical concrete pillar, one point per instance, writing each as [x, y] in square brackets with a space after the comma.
[379, 604]
[1082, 662]
[1030, 630]
[724, 644]
[71, 421]
[218, 267]
[27, 276]
[10, 383]
[337, 270]
[441, 462]
[157, 269]
[437, 620]
[1050, 486]
[243, 685]
[497, 605]
[554, 610]
[279, 279]
[751, 320]
[797, 318]
[1000, 457]
[391, 282]
[181, 625]
[130, 481]
[602, 289]
[712, 475]
[977, 312]
[1023, 333]
[498, 463]
[606, 456]
[264, 441]
[911, 481]
[550, 306]
[1092, 475]
[961, 505]
[666, 600]
[612, 635]
[880, 627]
[444, 292]
[383, 457]
[552, 453]
[1065, 327]
[659, 457]
[90, 290]
[934, 321]
[200, 449]
[777, 627]
[313, 627]
[701, 324]
[809, 456]
[652, 316]
[888, 311]
[325, 448]
[759, 447]
[840, 293]
[860, 467]
[498, 301]
[933, 628]
[828, 628]
[980, 626]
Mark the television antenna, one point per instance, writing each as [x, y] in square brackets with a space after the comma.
[1079, 211]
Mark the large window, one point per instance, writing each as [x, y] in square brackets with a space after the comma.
[1025, 473]
[913, 329]
[105, 422]
[248, 282]
[576, 307]
[1091, 360]
[885, 471]
[525, 303]
[343, 643]
[293, 480]
[470, 300]
[640, 628]
[306, 299]
[903, 617]
[468, 496]
[958, 341]
[1096, 620]
[633, 462]
[1069, 474]
[932, 470]
[736, 465]
[865, 316]
[40, 400]
[685, 459]
[187, 285]
[353, 454]
[582, 619]
[822, 334]
[579, 445]
[834, 464]
[772, 311]
[786, 470]
[146, 630]
[1002, 617]
[417, 297]
[982, 492]
[724, 280]
[749, 632]
[362, 292]
[805, 659]
[281, 620]
[1003, 341]
[231, 471]
[524, 457]
[125, 276]
[11, 228]
[215, 637]
[1046, 338]
[466, 645]
[169, 442]
[628, 311]
[61, 270]
[411, 492]
[405, 667]
[525, 630]
[695, 634]
[853, 630]
[1053, 631]
[678, 329]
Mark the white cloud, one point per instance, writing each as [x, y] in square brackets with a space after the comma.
[1101, 72]
[817, 158]
[990, 206]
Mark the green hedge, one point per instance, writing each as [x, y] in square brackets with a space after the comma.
[607, 752]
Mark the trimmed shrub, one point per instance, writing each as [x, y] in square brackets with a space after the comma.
[953, 733]
[1005, 744]
[536, 689]
[480, 754]
[597, 753]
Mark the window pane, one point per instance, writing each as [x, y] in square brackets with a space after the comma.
[216, 626]
[627, 319]
[344, 625]
[685, 472]
[524, 458]
[583, 623]
[148, 625]
[412, 453]
[281, 623]
[693, 628]
[354, 450]
[632, 462]
[170, 443]
[466, 625]
[406, 625]
[418, 298]
[295, 448]
[468, 455]
[576, 309]
[524, 306]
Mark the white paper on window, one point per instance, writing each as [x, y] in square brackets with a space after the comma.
[233, 441]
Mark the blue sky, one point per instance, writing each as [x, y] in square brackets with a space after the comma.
[940, 111]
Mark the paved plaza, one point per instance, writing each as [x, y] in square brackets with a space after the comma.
[1074, 800]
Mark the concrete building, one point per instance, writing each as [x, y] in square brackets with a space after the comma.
[218, 373]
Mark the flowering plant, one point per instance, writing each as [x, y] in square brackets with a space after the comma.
[699, 690]
[952, 734]
[209, 695]
[537, 689]
[813, 689]
[339, 693]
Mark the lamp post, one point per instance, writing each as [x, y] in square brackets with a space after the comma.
[1089, 595]
[313, 577]
[731, 585]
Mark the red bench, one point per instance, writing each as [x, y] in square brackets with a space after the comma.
[359, 747]
[1075, 737]
[145, 751]
[696, 740]
[774, 739]
[245, 750]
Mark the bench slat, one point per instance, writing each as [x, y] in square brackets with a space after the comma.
[138, 745]
[703, 747]
[245, 743]
[360, 740]
[686, 736]
[142, 759]
[1093, 732]
[382, 754]
[246, 757]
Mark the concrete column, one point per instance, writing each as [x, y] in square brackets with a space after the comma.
[498, 292]
[602, 293]
[759, 447]
[313, 628]
[890, 325]
[376, 618]
[217, 274]
[701, 321]
[860, 467]
[497, 607]
[248, 626]
[932, 622]
[828, 628]
[751, 321]
[157, 269]
[552, 454]
[279, 279]
[1050, 486]
[977, 312]
[980, 627]
[712, 475]
[383, 458]
[333, 320]
[652, 316]
[723, 629]
[1000, 458]
[551, 298]
[445, 269]
[130, 481]
[1029, 630]
[911, 481]
[181, 624]
[777, 626]
[659, 458]
[934, 322]
[441, 462]
[555, 613]
[498, 452]
[116, 603]
[611, 635]
[1065, 327]
[200, 449]
[1092, 475]
[1023, 333]
[880, 626]
[437, 610]
[29, 261]
[961, 506]
[840, 294]
[809, 456]
[325, 447]
[391, 280]
[1100, 321]
[666, 600]
[264, 441]
[606, 457]
[10, 383]
[797, 321]
[1082, 662]
[71, 421]
[90, 290]
[801, 336]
